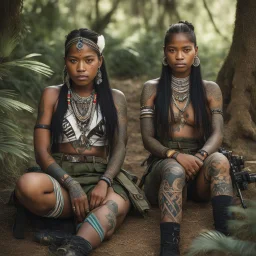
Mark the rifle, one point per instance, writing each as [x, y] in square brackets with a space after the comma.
[240, 176]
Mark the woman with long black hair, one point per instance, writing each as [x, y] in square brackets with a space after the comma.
[182, 128]
[80, 139]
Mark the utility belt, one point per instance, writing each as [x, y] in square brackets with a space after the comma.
[83, 159]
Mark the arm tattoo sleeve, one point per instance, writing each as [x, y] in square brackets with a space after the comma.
[57, 173]
[120, 139]
[147, 124]
[215, 140]
[61, 176]
[150, 143]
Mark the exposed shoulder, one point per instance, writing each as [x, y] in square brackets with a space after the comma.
[118, 97]
[50, 94]
[213, 92]
[149, 92]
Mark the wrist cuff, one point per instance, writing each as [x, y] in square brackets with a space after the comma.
[107, 180]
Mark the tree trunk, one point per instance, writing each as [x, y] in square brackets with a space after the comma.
[237, 79]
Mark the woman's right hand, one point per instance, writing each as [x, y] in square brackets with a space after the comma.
[190, 163]
[79, 200]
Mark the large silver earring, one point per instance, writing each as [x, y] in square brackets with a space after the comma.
[66, 78]
[196, 62]
[98, 77]
[164, 61]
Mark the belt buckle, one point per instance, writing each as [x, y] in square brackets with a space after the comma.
[73, 159]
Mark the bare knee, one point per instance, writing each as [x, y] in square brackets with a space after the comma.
[217, 164]
[30, 191]
[28, 185]
[171, 172]
[117, 210]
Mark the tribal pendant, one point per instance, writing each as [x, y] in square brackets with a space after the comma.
[180, 119]
[180, 98]
[80, 45]
[84, 142]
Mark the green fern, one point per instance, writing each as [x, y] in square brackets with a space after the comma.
[10, 137]
[245, 226]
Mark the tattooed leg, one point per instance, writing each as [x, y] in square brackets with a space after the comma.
[214, 178]
[217, 171]
[109, 215]
[170, 193]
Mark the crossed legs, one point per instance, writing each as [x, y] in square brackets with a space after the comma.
[35, 191]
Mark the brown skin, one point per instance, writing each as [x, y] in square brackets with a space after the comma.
[213, 178]
[34, 187]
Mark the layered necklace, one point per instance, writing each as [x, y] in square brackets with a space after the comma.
[83, 109]
[180, 93]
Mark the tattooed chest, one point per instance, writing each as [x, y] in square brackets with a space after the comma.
[182, 120]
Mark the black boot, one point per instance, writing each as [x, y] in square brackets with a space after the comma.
[48, 237]
[76, 246]
[220, 212]
[170, 239]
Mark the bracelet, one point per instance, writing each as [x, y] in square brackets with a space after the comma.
[42, 126]
[203, 153]
[170, 153]
[107, 180]
[174, 156]
[199, 158]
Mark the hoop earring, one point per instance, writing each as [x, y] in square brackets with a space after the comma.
[164, 61]
[98, 78]
[196, 62]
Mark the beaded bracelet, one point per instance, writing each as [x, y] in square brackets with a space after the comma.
[107, 180]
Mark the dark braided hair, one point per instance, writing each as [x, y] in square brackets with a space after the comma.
[197, 90]
[104, 97]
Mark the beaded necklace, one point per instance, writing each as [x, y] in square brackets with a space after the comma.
[83, 109]
[180, 92]
[180, 88]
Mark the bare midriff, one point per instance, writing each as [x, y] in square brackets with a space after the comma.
[67, 148]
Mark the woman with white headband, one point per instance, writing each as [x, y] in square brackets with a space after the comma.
[80, 139]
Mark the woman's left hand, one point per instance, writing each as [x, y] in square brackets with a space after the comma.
[98, 194]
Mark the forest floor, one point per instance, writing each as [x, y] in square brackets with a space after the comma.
[137, 236]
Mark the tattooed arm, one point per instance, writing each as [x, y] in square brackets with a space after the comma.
[42, 146]
[147, 124]
[120, 139]
[116, 159]
[214, 97]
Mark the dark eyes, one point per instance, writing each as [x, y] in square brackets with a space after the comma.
[186, 50]
[73, 61]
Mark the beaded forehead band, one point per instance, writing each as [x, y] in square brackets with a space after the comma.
[80, 41]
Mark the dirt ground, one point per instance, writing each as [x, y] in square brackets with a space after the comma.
[137, 236]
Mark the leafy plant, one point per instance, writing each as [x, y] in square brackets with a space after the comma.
[12, 147]
[243, 227]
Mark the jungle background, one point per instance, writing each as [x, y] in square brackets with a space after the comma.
[134, 31]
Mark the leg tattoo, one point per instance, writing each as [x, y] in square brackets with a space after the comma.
[111, 216]
[218, 172]
[170, 194]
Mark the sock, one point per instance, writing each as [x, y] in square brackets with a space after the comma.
[220, 212]
[170, 238]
